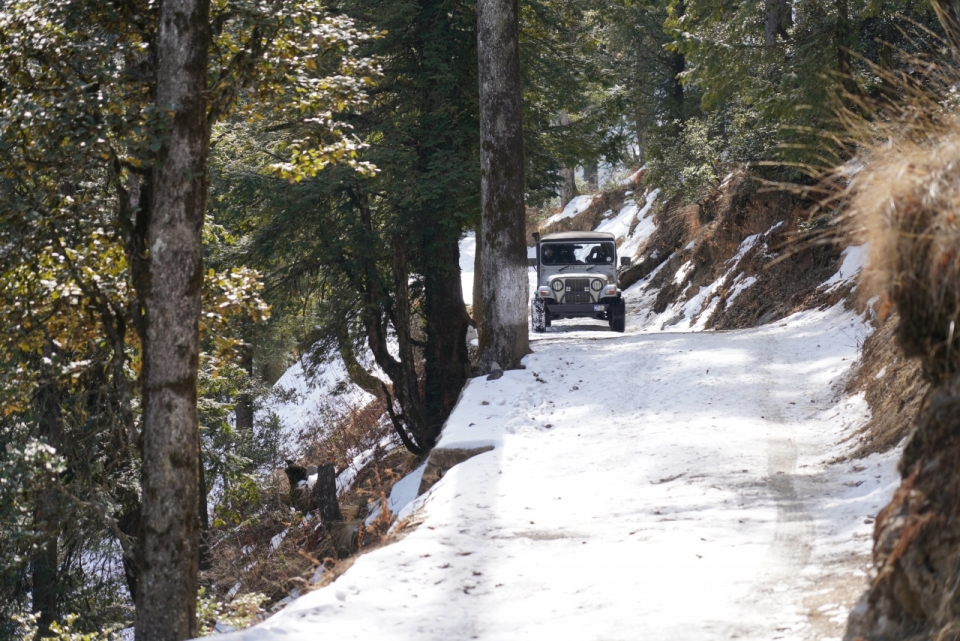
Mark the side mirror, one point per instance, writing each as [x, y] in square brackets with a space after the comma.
[531, 262]
[624, 261]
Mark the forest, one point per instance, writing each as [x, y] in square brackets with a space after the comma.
[198, 197]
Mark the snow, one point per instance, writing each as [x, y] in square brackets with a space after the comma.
[403, 493]
[695, 312]
[468, 252]
[620, 225]
[655, 485]
[739, 285]
[574, 207]
[302, 400]
[644, 228]
[667, 483]
[854, 260]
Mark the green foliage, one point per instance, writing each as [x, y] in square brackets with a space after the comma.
[240, 612]
[791, 82]
[685, 164]
[78, 136]
[62, 631]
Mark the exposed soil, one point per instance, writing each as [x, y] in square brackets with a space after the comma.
[894, 387]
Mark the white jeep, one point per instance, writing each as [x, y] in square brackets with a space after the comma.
[577, 278]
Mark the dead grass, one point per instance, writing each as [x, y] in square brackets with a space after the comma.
[902, 194]
[279, 548]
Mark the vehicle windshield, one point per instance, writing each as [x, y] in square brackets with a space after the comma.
[577, 253]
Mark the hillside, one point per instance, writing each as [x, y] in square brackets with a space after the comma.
[688, 482]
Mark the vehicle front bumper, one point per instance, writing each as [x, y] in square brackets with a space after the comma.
[577, 309]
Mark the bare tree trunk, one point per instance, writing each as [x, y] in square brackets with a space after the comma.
[505, 288]
[45, 584]
[679, 63]
[167, 584]
[244, 407]
[591, 176]
[325, 491]
[446, 363]
[568, 186]
[776, 20]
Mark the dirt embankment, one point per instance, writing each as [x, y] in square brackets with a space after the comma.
[894, 387]
[743, 251]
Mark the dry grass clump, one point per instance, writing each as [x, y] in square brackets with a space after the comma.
[906, 202]
[902, 194]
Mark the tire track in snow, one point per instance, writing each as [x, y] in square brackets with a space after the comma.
[792, 545]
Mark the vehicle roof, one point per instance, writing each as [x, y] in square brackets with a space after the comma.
[578, 235]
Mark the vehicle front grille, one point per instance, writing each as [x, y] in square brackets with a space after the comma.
[577, 284]
[578, 297]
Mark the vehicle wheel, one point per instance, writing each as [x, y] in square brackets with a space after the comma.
[538, 315]
[618, 315]
[548, 320]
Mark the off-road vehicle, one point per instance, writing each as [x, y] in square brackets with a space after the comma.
[577, 278]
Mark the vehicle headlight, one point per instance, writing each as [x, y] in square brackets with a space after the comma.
[596, 285]
[557, 285]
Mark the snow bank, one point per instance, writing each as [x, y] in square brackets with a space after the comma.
[574, 207]
[300, 400]
[694, 313]
[854, 260]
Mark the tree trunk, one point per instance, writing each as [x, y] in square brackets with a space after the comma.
[167, 584]
[244, 407]
[446, 363]
[679, 64]
[777, 19]
[505, 288]
[325, 492]
[591, 176]
[568, 185]
[45, 584]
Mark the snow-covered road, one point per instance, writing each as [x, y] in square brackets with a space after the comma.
[642, 486]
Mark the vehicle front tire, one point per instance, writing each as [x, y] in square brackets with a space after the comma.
[538, 315]
[618, 315]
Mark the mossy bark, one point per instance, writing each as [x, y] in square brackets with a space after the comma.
[47, 515]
